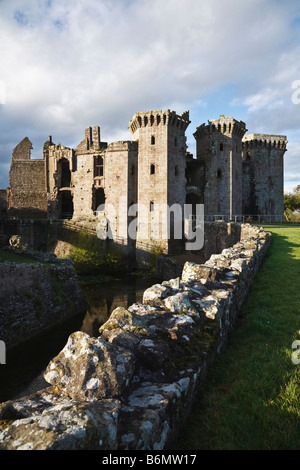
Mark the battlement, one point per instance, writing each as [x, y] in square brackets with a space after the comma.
[264, 140]
[224, 125]
[159, 118]
[232, 173]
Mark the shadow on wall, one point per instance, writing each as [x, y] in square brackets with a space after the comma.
[25, 213]
[91, 254]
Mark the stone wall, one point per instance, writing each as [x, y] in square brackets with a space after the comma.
[263, 175]
[133, 386]
[28, 196]
[35, 297]
[217, 236]
[120, 190]
[161, 174]
[3, 201]
[219, 148]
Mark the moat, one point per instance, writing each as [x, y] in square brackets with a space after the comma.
[23, 372]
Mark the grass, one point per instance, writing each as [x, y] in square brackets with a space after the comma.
[251, 397]
[15, 257]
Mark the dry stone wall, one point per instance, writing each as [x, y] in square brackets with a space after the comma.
[133, 386]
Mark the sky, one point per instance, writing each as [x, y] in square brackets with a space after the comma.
[69, 64]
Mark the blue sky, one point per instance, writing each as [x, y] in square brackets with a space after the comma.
[68, 64]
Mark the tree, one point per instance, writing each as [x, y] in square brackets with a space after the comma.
[292, 200]
[292, 203]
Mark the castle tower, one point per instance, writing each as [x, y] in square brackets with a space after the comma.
[263, 175]
[219, 149]
[161, 175]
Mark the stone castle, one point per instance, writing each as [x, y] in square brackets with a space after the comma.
[233, 175]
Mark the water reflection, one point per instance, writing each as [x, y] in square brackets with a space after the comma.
[25, 365]
[104, 298]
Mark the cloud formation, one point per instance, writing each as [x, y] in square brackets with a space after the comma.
[69, 64]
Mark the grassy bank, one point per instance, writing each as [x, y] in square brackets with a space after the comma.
[251, 398]
[12, 257]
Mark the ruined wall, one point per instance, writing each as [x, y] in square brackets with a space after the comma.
[35, 297]
[217, 237]
[120, 187]
[23, 150]
[83, 181]
[28, 196]
[63, 237]
[146, 367]
[263, 175]
[3, 201]
[226, 182]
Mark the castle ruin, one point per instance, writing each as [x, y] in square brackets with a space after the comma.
[233, 175]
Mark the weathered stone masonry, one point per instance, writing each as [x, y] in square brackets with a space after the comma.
[233, 175]
[36, 297]
[133, 385]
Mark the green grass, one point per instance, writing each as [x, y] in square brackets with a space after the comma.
[15, 257]
[251, 397]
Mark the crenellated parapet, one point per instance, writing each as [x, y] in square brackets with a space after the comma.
[159, 118]
[224, 125]
[264, 141]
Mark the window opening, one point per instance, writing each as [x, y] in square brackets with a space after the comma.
[99, 167]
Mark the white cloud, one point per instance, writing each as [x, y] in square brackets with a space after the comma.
[267, 97]
[68, 64]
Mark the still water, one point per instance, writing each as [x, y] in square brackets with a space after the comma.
[23, 372]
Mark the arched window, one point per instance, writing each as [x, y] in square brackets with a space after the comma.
[152, 169]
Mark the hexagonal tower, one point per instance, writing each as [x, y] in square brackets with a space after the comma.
[161, 174]
[263, 176]
[219, 148]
